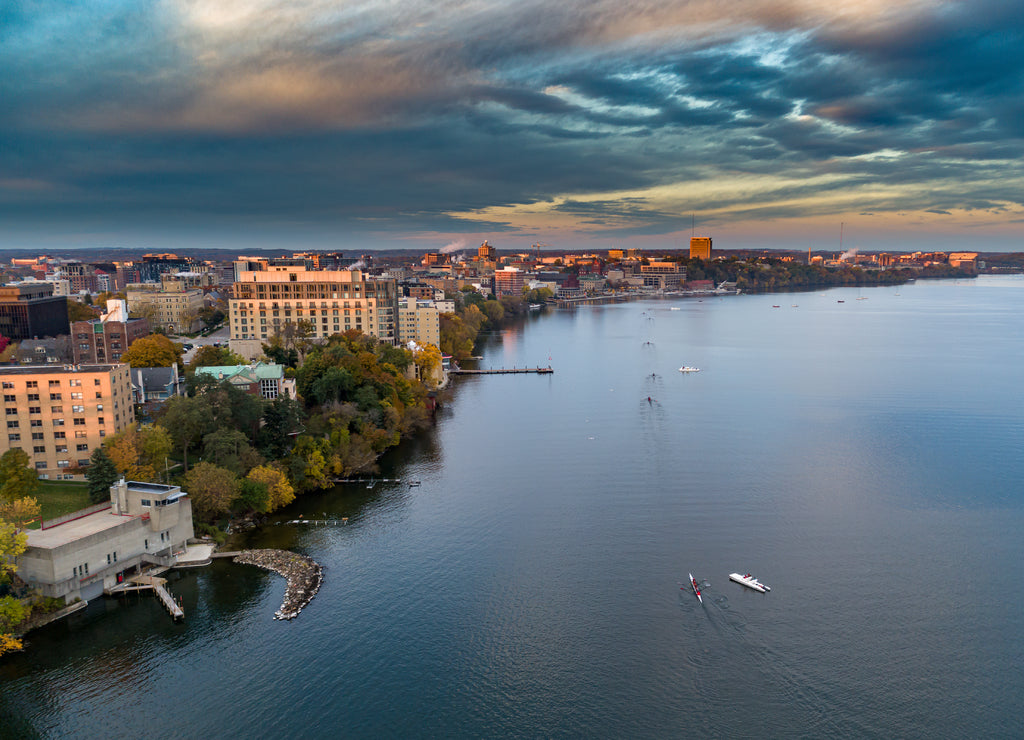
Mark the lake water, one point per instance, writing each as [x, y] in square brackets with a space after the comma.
[862, 457]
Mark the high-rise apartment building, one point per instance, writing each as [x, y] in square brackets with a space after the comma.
[173, 310]
[700, 247]
[508, 281]
[419, 321]
[59, 415]
[263, 302]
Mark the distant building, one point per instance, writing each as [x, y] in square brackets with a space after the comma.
[700, 247]
[419, 321]
[663, 275]
[262, 379]
[83, 554]
[965, 260]
[30, 310]
[176, 311]
[486, 253]
[52, 351]
[105, 339]
[508, 281]
[60, 414]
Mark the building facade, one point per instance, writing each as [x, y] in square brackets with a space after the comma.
[663, 275]
[700, 247]
[419, 321]
[508, 281]
[263, 302]
[32, 311]
[83, 554]
[262, 379]
[105, 339]
[176, 311]
[60, 414]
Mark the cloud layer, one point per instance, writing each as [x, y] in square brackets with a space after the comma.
[378, 124]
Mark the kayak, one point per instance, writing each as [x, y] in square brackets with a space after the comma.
[749, 581]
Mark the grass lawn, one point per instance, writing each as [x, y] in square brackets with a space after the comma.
[57, 497]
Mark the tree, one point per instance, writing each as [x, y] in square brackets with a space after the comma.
[428, 359]
[154, 350]
[12, 544]
[230, 448]
[211, 488]
[186, 419]
[139, 452]
[101, 475]
[280, 491]
[80, 312]
[253, 496]
[17, 479]
[20, 512]
[210, 356]
[281, 417]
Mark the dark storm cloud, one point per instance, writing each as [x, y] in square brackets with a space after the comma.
[362, 121]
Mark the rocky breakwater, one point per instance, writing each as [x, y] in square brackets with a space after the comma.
[304, 577]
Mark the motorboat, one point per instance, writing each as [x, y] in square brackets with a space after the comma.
[688, 369]
[693, 585]
[749, 581]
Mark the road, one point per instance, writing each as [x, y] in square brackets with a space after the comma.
[221, 335]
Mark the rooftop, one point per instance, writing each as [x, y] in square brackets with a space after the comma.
[76, 529]
[51, 369]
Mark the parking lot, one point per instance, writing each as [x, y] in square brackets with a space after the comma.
[218, 337]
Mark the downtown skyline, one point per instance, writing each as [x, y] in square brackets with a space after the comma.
[361, 125]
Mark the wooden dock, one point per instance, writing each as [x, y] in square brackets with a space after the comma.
[504, 371]
[158, 586]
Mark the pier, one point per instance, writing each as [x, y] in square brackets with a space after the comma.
[504, 371]
[304, 576]
[158, 586]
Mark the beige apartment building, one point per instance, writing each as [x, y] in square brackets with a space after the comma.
[418, 321]
[59, 415]
[263, 302]
[176, 311]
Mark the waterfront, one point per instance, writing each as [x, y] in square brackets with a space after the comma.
[862, 458]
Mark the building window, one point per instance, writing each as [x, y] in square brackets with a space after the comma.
[75, 381]
[59, 435]
[99, 420]
[63, 463]
[10, 399]
[56, 397]
[8, 385]
[55, 384]
[41, 465]
[35, 410]
[99, 395]
[13, 437]
[12, 412]
[144, 502]
[37, 449]
[99, 407]
[33, 396]
[31, 384]
[12, 425]
[37, 435]
[83, 463]
[95, 381]
[79, 422]
[76, 396]
[81, 434]
[78, 409]
[61, 448]
[103, 432]
[58, 422]
[35, 422]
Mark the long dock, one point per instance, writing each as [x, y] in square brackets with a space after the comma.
[158, 586]
[504, 371]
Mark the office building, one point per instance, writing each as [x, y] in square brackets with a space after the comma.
[32, 311]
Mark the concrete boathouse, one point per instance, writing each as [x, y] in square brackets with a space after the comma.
[89, 552]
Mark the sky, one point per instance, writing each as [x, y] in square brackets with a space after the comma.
[372, 124]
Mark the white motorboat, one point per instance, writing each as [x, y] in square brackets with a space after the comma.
[688, 369]
[749, 581]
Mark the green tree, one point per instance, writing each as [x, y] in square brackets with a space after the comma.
[17, 479]
[101, 475]
[80, 312]
[186, 419]
[210, 356]
[230, 448]
[253, 497]
[212, 489]
[281, 418]
[154, 350]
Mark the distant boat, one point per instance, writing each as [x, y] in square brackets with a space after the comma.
[840, 301]
[749, 581]
[775, 306]
[675, 308]
[688, 369]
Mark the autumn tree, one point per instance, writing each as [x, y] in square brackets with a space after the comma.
[80, 312]
[428, 359]
[212, 489]
[17, 479]
[12, 612]
[280, 491]
[101, 474]
[138, 452]
[154, 350]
